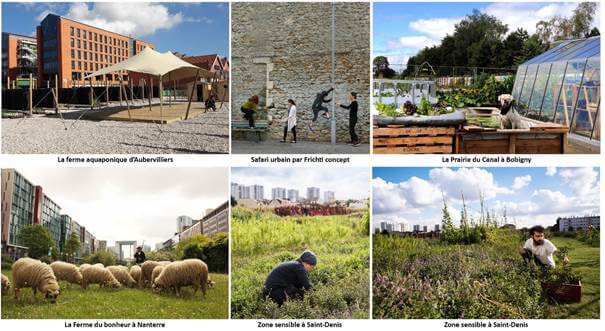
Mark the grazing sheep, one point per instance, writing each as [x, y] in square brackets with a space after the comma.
[192, 272]
[101, 276]
[122, 275]
[84, 266]
[67, 272]
[37, 275]
[135, 273]
[156, 272]
[100, 265]
[147, 270]
[6, 284]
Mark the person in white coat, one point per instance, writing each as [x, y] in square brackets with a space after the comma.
[290, 121]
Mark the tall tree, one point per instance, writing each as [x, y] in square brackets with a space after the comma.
[71, 247]
[578, 25]
[39, 241]
[381, 68]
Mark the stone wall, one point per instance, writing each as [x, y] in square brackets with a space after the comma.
[292, 43]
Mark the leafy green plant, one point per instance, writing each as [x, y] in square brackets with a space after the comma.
[425, 107]
[388, 110]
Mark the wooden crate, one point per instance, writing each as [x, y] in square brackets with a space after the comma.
[563, 293]
[540, 138]
[394, 139]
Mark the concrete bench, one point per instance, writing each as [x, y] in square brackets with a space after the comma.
[260, 126]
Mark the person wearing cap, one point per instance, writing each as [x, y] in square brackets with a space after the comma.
[290, 279]
[139, 256]
[352, 107]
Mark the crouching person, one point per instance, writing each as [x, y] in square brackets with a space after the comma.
[290, 279]
[539, 249]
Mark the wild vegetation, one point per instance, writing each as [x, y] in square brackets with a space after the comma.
[262, 240]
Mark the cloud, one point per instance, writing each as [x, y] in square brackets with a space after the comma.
[582, 181]
[551, 171]
[43, 14]
[470, 181]
[521, 182]
[202, 19]
[526, 15]
[415, 42]
[435, 28]
[136, 19]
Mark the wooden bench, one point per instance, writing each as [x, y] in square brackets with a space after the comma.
[260, 126]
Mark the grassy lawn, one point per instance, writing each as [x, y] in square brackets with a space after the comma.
[585, 260]
[74, 302]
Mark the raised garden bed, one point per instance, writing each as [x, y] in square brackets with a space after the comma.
[563, 293]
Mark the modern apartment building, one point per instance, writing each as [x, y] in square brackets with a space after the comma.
[293, 195]
[19, 57]
[329, 196]
[313, 193]
[278, 193]
[217, 220]
[258, 192]
[70, 50]
[578, 223]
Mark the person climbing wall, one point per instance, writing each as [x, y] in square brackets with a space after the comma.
[318, 106]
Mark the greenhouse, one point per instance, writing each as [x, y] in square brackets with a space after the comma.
[562, 85]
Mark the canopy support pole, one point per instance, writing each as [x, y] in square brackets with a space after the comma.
[127, 103]
[92, 94]
[150, 95]
[169, 97]
[161, 92]
[193, 86]
[56, 93]
[142, 90]
[120, 91]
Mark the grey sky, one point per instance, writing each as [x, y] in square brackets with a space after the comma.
[345, 182]
[132, 204]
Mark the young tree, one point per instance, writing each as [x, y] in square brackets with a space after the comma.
[381, 68]
[39, 241]
[71, 247]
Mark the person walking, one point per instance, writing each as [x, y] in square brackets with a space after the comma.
[352, 107]
[290, 121]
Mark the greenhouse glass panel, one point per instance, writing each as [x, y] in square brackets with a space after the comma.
[553, 88]
[527, 87]
[535, 102]
[519, 81]
[585, 117]
[569, 92]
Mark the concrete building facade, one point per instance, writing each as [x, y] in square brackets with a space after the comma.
[313, 193]
[70, 50]
[217, 220]
[329, 196]
[283, 51]
[293, 195]
[278, 193]
[578, 223]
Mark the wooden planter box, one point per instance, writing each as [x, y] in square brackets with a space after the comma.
[398, 139]
[540, 138]
[563, 293]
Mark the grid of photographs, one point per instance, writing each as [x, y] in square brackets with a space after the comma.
[300, 164]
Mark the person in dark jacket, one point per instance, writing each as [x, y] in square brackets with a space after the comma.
[352, 107]
[139, 256]
[290, 279]
[211, 103]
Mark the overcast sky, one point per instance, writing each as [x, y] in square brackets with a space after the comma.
[132, 204]
[402, 29]
[347, 183]
[530, 196]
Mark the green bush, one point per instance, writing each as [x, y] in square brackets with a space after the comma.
[214, 250]
[7, 261]
[104, 257]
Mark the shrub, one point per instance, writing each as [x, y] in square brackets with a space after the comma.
[104, 257]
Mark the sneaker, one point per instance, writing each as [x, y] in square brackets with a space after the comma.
[356, 144]
[282, 141]
[293, 142]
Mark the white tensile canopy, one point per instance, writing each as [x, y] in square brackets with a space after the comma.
[159, 65]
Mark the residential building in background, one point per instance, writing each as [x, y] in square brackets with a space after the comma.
[329, 196]
[258, 192]
[313, 193]
[70, 50]
[217, 220]
[565, 224]
[278, 193]
[183, 222]
[25, 204]
[19, 58]
[293, 195]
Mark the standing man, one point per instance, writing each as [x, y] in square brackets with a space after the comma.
[352, 107]
[139, 256]
[290, 279]
[539, 249]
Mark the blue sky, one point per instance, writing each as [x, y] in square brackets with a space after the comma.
[402, 29]
[190, 28]
[529, 195]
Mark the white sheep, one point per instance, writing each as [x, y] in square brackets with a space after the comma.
[67, 272]
[97, 275]
[37, 275]
[122, 275]
[147, 269]
[177, 274]
[136, 274]
[6, 284]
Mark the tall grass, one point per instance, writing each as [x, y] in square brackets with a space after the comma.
[263, 240]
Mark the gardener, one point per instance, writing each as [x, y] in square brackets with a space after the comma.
[539, 249]
[290, 279]
[139, 256]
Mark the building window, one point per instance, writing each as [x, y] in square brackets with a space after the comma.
[72, 43]
[96, 57]
[73, 65]
[73, 54]
[84, 34]
[95, 36]
[79, 65]
[90, 45]
[78, 43]
[79, 54]
[84, 43]
[71, 31]
[85, 57]
[90, 36]
[96, 48]
[85, 66]
[78, 33]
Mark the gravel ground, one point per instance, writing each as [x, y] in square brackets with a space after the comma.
[205, 133]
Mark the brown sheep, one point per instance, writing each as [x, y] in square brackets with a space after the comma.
[6, 284]
[37, 275]
[122, 275]
[101, 276]
[156, 272]
[192, 272]
[135, 273]
[147, 270]
[67, 272]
